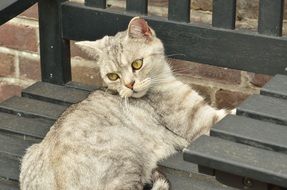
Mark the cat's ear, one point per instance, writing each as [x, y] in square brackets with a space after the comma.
[94, 48]
[139, 28]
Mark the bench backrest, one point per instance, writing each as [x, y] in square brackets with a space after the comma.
[220, 44]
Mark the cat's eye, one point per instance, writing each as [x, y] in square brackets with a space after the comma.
[113, 76]
[137, 64]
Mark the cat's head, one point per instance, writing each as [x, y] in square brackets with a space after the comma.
[131, 61]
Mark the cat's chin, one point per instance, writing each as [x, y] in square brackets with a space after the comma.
[139, 94]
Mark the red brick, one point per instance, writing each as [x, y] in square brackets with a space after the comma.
[32, 12]
[18, 37]
[229, 99]
[259, 80]
[205, 5]
[7, 66]
[203, 71]
[29, 68]
[8, 90]
[86, 75]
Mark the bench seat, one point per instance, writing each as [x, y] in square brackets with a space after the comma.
[25, 120]
[249, 150]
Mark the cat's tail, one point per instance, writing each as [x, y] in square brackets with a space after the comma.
[160, 182]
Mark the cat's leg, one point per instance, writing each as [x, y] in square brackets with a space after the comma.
[203, 119]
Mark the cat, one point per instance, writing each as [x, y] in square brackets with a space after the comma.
[113, 142]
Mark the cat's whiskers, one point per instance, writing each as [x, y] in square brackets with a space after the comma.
[126, 104]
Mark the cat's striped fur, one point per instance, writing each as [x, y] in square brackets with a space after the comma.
[109, 142]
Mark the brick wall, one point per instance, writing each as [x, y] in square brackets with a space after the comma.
[20, 67]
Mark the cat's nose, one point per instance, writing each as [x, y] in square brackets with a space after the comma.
[130, 85]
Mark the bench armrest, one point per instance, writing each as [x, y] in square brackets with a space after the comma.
[11, 8]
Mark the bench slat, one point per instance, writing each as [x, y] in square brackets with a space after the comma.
[223, 15]
[264, 108]
[54, 93]
[179, 11]
[96, 3]
[271, 17]
[243, 160]
[14, 146]
[9, 167]
[34, 127]
[176, 162]
[137, 6]
[179, 181]
[11, 8]
[252, 132]
[81, 86]
[276, 87]
[8, 185]
[32, 108]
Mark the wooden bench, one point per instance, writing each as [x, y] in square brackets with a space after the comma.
[246, 151]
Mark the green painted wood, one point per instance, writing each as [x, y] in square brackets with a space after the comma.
[8, 185]
[209, 45]
[54, 93]
[192, 181]
[252, 132]
[33, 127]
[9, 167]
[137, 6]
[32, 108]
[54, 50]
[223, 14]
[176, 162]
[14, 146]
[271, 17]
[276, 87]
[96, 3]
[264, 108]
[239, 159]
[179, 10]
[11, 8]
[81, 86]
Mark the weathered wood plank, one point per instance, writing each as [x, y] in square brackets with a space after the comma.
[54, 93]
[223, 14]
[14, 146]
[252, 132]
[264, 108]
[179, 10]
[11, 8]
[137, 6]
[54, 50]
[276, 87]
[271, 17]
[32, 108]
[96, 3]
[239, 159]
[176, 162]
[192, 181]
[209, 45]
[33, 127]
[8, 185]
[9, 167]
[81, 86]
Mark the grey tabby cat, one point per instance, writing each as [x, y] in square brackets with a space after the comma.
[107, 143]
